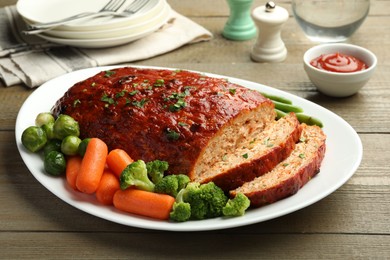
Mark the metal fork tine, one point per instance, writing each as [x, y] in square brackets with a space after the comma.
[135, 6]
[113, 5]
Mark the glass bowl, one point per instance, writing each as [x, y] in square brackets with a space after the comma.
[330, 20]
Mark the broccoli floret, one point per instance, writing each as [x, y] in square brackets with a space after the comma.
[181, 211]
[156, 170]
[236, 207]
[167, 185]
[172, 184]
[206, 200]
[135, 174]
[182, 181]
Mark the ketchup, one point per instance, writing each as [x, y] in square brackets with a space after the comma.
[338, 62]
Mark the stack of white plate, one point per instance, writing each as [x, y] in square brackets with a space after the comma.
[97, 32]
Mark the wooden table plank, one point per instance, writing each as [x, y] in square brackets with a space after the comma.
[192, 246]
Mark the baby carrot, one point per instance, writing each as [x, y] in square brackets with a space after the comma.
[92, 166]
[117, 160]
[73, 165]
[144, 203]
[108, 185]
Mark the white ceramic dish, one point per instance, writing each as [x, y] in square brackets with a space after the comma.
[144, 26]
[338, 84]
[343, 156]
[42, 11]
[114, 41]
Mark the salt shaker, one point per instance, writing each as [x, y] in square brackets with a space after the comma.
[240, 25]
[269, 46]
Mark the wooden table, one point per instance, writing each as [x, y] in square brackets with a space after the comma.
[351, 223]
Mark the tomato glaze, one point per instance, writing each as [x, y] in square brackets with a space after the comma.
[338, 62]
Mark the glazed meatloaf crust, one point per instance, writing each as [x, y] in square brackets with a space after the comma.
[177, 116]
[291, 174]
[254, 158]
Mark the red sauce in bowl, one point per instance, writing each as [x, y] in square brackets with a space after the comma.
[338, 62]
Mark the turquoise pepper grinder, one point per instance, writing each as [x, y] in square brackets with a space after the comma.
[240, 26]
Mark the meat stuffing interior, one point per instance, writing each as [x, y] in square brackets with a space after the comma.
[208, 128]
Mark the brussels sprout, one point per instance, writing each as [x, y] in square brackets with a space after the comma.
[83, 146]
[70, 145]
[48, 128]
[34, 138]
[52, 145]
[55, 163]
[44, 118]
[65, 125]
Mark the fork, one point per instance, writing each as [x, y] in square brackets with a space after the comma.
[110, 8]
[134, 7]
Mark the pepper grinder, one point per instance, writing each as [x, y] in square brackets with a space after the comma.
[269, 46]
[240, 25]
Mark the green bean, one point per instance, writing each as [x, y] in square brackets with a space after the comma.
[302, 118]
[287, 107]
[283, 106]
[309, 120]
[277, 98]
[280, 114]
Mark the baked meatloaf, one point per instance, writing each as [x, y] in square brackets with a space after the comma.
[291, 174]
[253, 158]
[178, 116]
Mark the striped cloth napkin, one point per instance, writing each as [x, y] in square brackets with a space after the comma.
[30, 60]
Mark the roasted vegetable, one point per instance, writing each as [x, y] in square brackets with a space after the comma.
[55, 163]
[172, 184]
[136, 175]
[34, 138]
[70, 145]
[65, 125]
[237, 206]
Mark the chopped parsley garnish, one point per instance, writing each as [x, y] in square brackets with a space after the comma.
[182, 124]
[232, 91]
[268, 143]
[76, 102]
[108, 73]
[132, 93]
[302, 155]
[107, 99]
[245, 155]
[140, 103]
[180, 102]
[171, 134]
[177, 106]
[224, 157]
[120, 94]
[159, 83]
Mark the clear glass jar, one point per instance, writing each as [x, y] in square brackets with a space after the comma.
[330, 20]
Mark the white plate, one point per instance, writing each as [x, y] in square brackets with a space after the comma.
[114, 41]
[42, 11]
[342, 158]
[142, 27]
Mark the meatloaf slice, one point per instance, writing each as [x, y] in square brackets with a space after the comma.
[252, 158]
[291, 174]
[170, 115]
